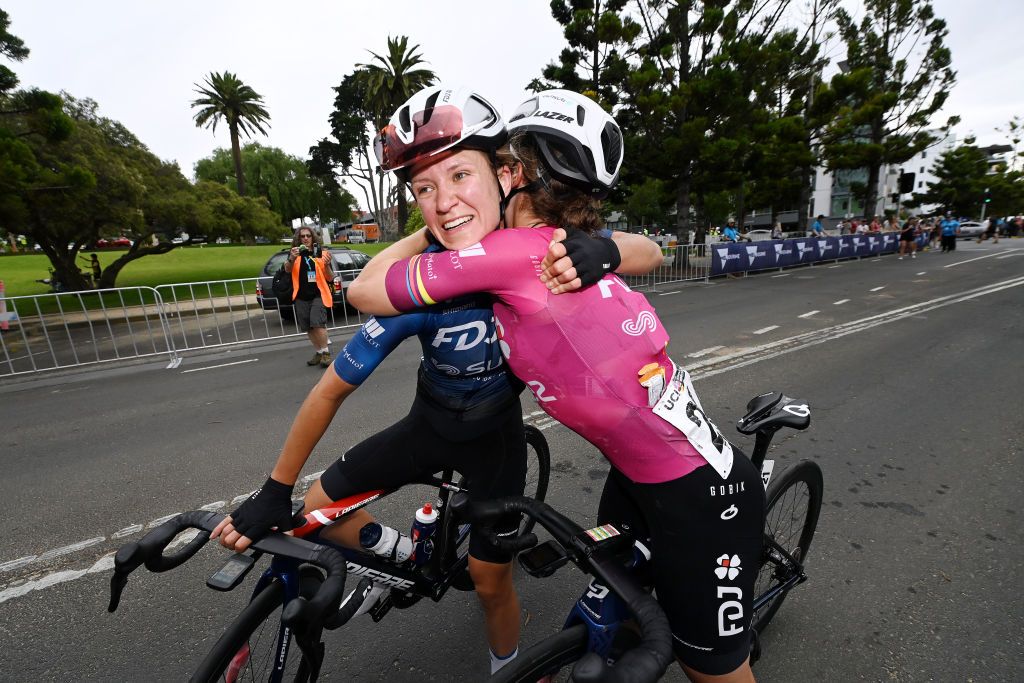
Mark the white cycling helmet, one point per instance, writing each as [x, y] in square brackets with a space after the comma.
[580, 142]
[437, 118]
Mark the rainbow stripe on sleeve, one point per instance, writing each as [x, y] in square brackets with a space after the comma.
[414, 283]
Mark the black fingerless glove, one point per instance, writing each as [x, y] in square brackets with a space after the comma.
[591, 256]
[270, 506]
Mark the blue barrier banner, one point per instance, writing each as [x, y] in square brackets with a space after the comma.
[844, 246]
[760, 255]
[828, 248]
[874, 244]
[922, 240]
[785, 253]
[859, 245]
[890, 242]
[805, 251]
[728, 258]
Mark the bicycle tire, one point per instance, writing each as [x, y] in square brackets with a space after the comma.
[794, 503]
[546, 658]
[537, 478]
[257, 619]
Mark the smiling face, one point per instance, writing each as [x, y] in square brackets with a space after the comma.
[458, 196]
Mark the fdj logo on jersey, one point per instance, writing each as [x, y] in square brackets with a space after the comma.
[472, 333]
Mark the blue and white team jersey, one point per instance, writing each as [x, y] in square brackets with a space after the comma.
[462, 366]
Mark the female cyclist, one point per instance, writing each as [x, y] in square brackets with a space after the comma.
[595, 359]
[466, 414]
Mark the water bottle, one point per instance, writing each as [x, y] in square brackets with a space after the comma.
[384, 541]
[423, 534]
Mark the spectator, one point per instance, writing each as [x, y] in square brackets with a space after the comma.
[859, 228]
[777, 231]
[311, 291]
[991, 230]
[908, 238]
[817, 230]
[876, 225]
[950, 229]
[730, 233]
[97, 270]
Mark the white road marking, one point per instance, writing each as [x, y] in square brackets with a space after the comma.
[222, 365]
[704, 352]
[765, 329]
[808, 314]
[127, 531]
[922, 272]
[68, 549]
[698, 370]
[841, 301]
[976, 258]
[877, 288]
[835, 266]
[782, 275]
[1019, 253]
[669, 293]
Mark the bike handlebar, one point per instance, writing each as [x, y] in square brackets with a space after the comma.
[149, 550]
[646, 662]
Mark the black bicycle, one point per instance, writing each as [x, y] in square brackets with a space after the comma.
[595, 628]
[294, 601]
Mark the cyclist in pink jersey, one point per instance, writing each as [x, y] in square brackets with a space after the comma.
[596, 360]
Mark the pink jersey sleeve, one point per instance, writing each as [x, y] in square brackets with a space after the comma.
[503, 263]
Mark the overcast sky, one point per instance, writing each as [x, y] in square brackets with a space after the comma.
[140, 60]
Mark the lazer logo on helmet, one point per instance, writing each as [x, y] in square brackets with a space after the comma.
[554, 115]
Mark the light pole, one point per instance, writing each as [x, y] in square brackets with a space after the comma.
[984, 205]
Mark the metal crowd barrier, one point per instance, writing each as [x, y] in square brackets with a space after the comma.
[53, 331]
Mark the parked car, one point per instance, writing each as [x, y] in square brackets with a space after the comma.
[347, 264]
[113, 243]
[971, 229]
[757, 235]
[357, 237]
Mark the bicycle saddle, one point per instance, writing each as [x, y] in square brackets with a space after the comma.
[772, 411]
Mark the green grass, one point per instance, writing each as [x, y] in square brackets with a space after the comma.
[185, 264]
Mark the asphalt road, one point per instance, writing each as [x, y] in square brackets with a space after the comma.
[913, 379]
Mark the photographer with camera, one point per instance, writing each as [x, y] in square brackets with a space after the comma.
[312, 272]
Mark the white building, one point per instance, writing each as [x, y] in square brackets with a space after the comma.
[834, 197]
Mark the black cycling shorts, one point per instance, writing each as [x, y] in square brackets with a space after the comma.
[706, 542]
[493, 464]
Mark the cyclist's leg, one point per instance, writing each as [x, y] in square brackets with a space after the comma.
[494, 466]
[705, 559]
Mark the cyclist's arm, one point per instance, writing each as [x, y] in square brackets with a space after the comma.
[639, 256]
[367, 291]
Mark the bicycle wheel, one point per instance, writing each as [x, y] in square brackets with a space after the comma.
[248, 647]
[538, 471]
[794, 501]
[552, 656]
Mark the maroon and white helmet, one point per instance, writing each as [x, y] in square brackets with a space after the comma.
[580, 142]
[435, 119]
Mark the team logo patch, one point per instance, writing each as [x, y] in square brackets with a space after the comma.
[644, 322]
[373, 328]
[474, 250]
[728, 566]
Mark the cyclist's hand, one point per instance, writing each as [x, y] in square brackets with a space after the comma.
[577, 260]
[270, 506]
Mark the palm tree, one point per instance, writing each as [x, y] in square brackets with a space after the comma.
[226, 97]
[391, 80]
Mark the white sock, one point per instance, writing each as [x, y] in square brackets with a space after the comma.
[324, 350]
[498, 662]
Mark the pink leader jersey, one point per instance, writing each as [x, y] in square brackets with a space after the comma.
[579, 353]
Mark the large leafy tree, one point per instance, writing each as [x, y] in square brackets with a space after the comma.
[283, 180]
[390, 80]
[599, 37]
[226, 98]
[363, 103]
[102, 181]
[963, 175]
[27, 117]
[896, 76]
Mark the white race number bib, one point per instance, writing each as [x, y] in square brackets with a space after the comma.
[680, 407]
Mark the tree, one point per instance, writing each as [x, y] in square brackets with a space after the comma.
[648, 203]
[360, 109]
[896, 76]
[227, 98]
[102, 181]
[599, 41]
[678, 100]
[390, 81]
[283, 180]
[26, 116]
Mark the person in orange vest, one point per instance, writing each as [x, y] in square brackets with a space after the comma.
[311, 270]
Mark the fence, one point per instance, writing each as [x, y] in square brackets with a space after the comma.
[54, 331]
